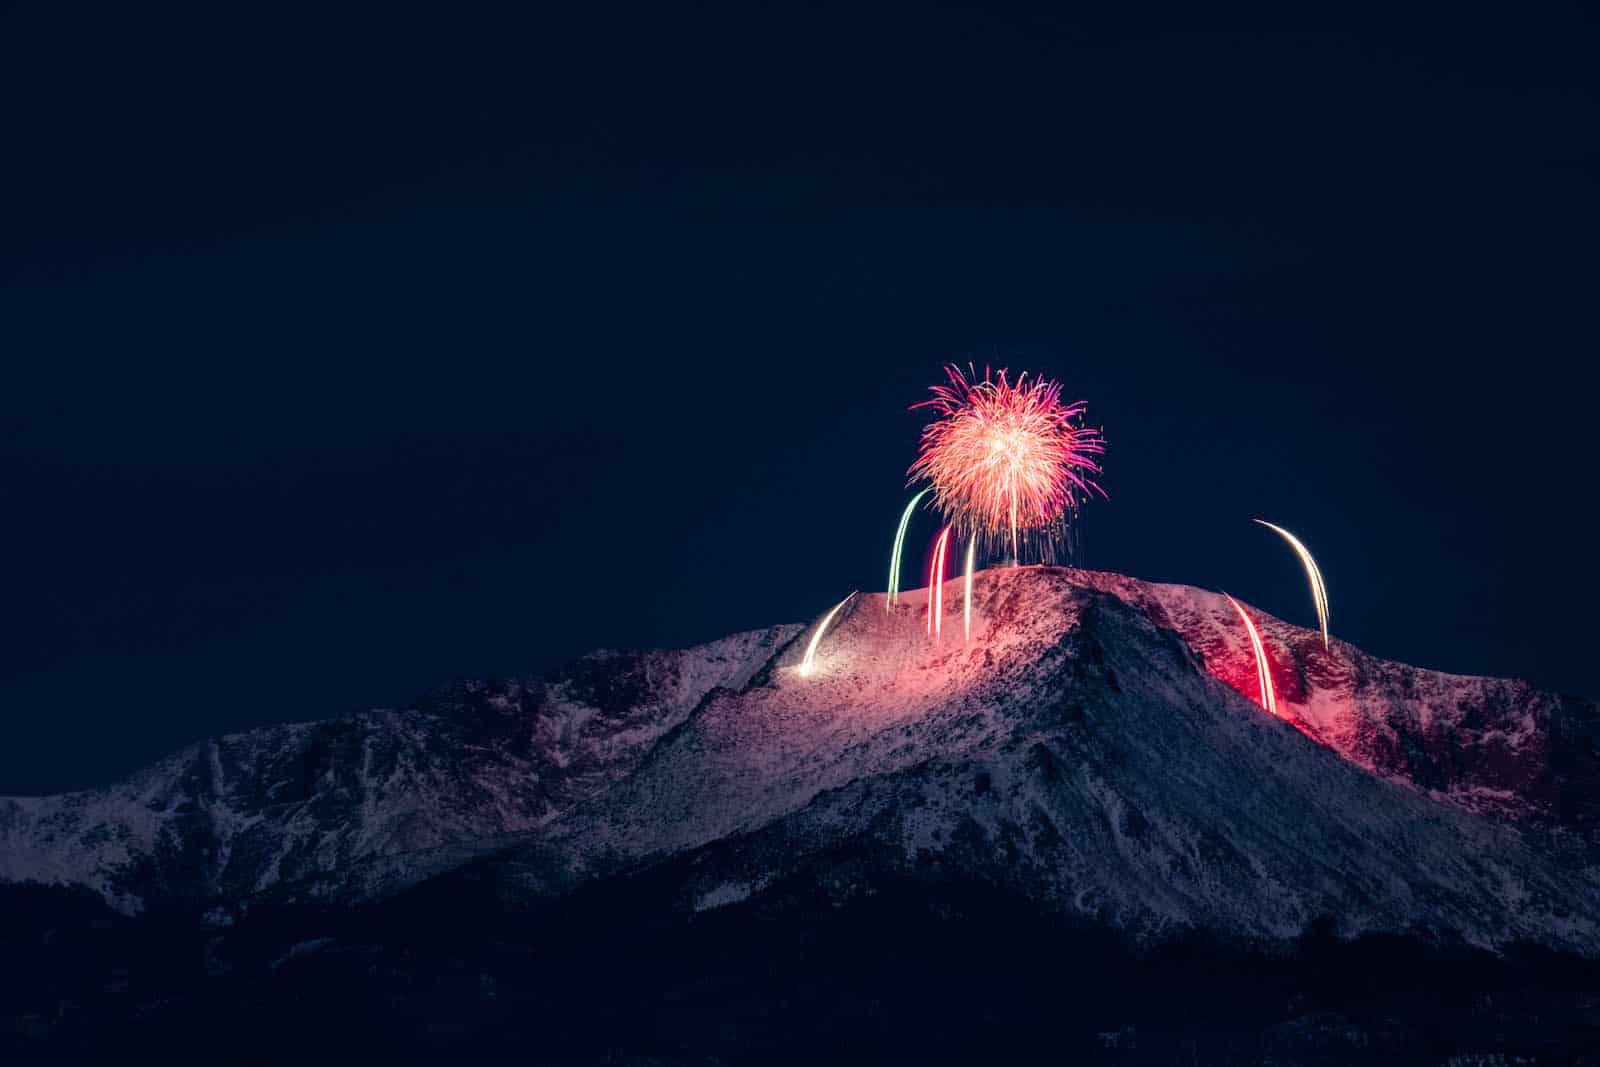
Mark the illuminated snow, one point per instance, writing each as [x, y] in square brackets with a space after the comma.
[1095, 745]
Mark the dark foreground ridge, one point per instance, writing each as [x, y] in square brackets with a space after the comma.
[931, 969]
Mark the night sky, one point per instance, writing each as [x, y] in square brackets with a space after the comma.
[346, 354]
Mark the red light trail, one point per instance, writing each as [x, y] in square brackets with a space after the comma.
[936, 585]
[1263, 668]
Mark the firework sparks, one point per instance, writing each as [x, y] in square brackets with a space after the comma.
[936, 585]
[966, 597]
[1269, 700]
[894, 557]
[1319, 593]
[1005, 456]
[809, 664]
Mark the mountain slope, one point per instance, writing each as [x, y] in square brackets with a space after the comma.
[1495, 746]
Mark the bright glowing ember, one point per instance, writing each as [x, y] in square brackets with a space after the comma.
[1005, 456]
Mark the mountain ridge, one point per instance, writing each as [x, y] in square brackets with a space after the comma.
[1079, 750]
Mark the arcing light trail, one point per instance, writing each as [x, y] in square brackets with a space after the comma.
[1263, 668]
[966, 596]
[809, 664]
[1319, 593]
[894, 557]
[936, 585]
[1005, 456]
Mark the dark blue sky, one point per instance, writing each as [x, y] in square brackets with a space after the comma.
[347, 353]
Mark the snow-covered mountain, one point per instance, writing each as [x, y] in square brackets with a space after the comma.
[1094, 747]
[315, 805]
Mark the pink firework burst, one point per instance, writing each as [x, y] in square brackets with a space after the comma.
[1006, 456]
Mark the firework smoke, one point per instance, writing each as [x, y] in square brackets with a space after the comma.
[1004, 457]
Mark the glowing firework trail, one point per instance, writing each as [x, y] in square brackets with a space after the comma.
[1319, 593]
[809, 664]
[1263, 668]
[966, 598]
[936, 585]
[1005, 455]
[894, 557]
